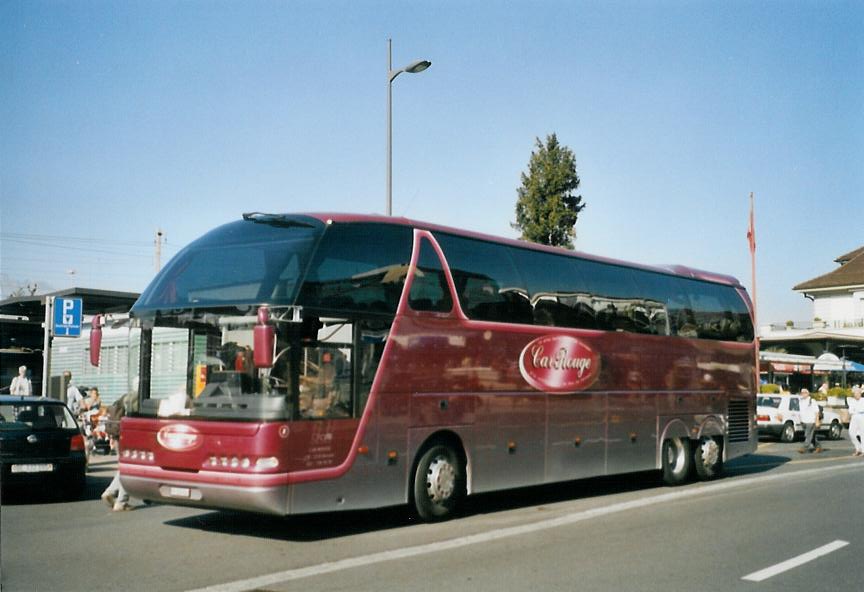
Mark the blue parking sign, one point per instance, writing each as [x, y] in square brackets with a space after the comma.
[68, 313]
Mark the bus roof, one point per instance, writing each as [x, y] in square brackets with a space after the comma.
[679, 270]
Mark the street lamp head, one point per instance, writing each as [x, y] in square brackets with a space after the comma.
[417, 66]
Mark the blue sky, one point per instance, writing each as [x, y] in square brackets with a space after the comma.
[118, 118]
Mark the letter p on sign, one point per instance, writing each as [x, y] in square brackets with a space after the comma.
[68, 307]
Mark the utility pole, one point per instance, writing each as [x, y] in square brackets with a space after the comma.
[46, 346]
[160, 236]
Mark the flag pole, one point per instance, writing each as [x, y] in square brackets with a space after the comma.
[751, 239]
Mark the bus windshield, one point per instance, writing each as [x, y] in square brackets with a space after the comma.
[201, 364]
[350, 268]
[249, 261]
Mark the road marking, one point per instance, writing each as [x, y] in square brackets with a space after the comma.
[770, 572]
[512, 531]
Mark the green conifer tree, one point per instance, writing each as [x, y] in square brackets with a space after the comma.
[548, 207]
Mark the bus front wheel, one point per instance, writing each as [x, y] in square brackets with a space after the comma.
[439, 483]
[677, 461]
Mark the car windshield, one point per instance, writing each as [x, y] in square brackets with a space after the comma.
[768, 402]
[34, 415]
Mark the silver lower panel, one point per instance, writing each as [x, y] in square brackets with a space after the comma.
[265, 500]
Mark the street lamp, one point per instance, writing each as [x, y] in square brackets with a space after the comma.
[414, 67]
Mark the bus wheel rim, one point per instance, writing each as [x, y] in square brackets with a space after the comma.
[710, 452]
[676, 455]
[440, 479]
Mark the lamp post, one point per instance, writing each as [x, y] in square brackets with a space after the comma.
[412, 68]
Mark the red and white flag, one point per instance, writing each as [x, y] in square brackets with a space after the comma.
[751, 230]
[751, 238]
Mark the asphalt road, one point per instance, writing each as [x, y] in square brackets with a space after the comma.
[795, 521]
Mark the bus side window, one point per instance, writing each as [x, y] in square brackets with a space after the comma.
[370, 340]
[429, 290]
[358, 268]
[326, 379]
[487, 283]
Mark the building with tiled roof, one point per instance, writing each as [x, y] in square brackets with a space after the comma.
[838, 296]
[837, 327]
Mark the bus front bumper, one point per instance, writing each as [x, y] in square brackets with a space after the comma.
[173, 487]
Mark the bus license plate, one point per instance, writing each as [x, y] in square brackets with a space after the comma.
[180, 492]
[36, 468]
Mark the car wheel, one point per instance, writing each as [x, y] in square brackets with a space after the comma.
[835, 430]
[787, 434]
[677, 461]
[439, 483]
[708, 458]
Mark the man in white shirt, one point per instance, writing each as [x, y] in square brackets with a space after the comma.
[74, 398]
[856, 420]
[21, 385]
[809, 414]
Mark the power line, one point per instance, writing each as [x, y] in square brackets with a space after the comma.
[65, 238]
[65, 247]
[63, 241]
[118, 259]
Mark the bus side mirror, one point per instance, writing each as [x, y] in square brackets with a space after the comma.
[264, 340]
[95, 339]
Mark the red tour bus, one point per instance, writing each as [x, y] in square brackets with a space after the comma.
[333, 361]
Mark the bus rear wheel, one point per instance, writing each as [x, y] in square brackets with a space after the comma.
[677, 461]
[708, 458]
[439, 483]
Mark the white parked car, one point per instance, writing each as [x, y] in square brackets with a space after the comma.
[778, 415]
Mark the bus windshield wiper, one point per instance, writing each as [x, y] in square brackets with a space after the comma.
[276, 220]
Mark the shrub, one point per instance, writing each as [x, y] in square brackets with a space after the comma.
[769, 389]
[837, 391]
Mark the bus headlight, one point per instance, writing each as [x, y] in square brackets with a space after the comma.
[267, 462]
[232, 462]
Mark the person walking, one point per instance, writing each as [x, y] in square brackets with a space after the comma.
[116, 496]
[21, 385]
[74, 398]
[809, 414]
[856, 420]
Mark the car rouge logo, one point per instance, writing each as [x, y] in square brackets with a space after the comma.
[559, 364]
[179, 437]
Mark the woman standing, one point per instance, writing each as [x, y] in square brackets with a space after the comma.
[856, 420]
[21, 385]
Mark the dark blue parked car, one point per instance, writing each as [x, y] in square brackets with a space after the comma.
[41, 445]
